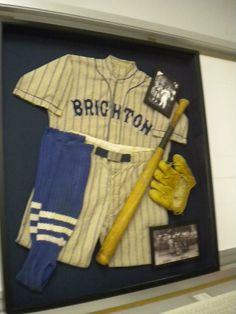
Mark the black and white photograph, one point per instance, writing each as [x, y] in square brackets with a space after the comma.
[171, 244]
[162, 93]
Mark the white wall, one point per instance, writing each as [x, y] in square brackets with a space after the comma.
[202, 16]
[219, 83]
[214, 18]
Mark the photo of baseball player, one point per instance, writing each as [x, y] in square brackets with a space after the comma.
[174, 244]
[162, 93]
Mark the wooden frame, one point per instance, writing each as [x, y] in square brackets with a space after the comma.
[22, 127]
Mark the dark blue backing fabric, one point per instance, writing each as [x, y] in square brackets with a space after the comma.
[24, 49]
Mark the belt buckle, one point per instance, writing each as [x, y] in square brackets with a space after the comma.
[113, 156]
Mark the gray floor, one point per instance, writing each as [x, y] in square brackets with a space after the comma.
[222, 304]
[182, 303]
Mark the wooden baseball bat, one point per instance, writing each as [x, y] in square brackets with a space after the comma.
[127, 211]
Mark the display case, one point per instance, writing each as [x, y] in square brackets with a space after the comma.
[25, 48]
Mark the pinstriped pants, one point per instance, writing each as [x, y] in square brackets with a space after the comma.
[108, 185]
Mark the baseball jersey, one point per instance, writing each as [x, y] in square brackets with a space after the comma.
[102, 99]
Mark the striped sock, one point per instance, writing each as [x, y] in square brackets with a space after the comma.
[43, 178]
[59, 213]
[49, 153]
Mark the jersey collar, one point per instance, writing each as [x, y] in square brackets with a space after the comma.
[114, 69]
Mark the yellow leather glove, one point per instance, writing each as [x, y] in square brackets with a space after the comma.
[172, 185]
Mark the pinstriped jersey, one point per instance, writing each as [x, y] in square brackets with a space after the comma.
[102, 98]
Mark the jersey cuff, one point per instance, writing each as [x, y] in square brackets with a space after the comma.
[37, 101]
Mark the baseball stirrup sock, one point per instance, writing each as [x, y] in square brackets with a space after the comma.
[43, 177]
[58, 215]
[48, 156]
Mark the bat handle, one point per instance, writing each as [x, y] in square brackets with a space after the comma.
[183, 104]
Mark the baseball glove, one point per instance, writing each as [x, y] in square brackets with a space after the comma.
[172, 185]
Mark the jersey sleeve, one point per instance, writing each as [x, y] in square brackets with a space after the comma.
[47, 86]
